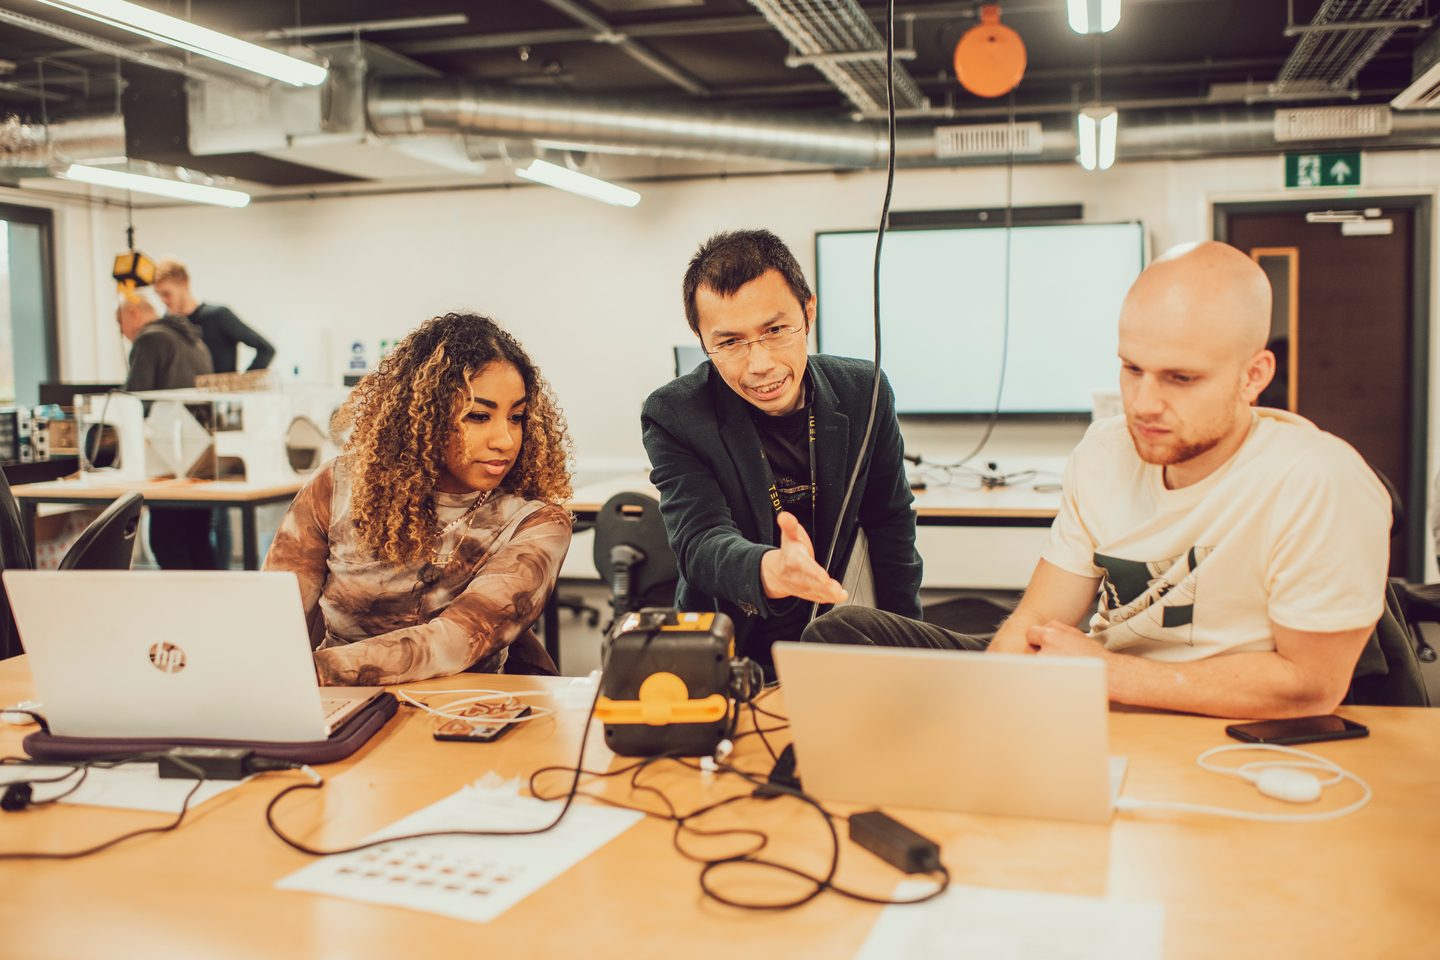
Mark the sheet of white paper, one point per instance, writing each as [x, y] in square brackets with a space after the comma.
[468, 878]
[1012, 925]
[134, 786]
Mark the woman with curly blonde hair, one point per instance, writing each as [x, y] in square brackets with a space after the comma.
[429, 546]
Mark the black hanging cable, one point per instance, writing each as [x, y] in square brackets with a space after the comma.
[862, 460]
[1005, 334]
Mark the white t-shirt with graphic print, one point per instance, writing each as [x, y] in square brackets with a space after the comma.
[1294, 529]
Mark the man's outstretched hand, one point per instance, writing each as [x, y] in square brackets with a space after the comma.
[791, 570]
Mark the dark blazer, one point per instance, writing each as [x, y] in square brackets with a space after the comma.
[706, 460]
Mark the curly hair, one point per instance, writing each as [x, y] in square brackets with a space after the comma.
[403, 414]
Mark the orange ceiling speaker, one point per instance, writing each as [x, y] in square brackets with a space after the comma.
[990, 58]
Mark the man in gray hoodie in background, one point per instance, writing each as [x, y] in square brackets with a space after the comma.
[166, 354]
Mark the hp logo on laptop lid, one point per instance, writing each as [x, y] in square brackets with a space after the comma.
[166, 657]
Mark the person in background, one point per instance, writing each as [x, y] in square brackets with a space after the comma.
[167, 353]
[219, 327]
[222, 331]
[430, 545]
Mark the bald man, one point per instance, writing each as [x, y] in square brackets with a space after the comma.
[1238, 554]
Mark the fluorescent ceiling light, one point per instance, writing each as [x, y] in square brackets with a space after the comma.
[541, 171]
[1093, 16]
[1097, 130]
[159, 186]
[209, 43]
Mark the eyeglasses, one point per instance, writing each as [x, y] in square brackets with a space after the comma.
[736, 348]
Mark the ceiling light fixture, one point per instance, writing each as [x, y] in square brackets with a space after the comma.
[552, 175]
[197, 39]
[1098, 128]
[157, 186]
[1093, 16]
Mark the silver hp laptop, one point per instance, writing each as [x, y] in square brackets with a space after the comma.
[174, 654]
[948, 730]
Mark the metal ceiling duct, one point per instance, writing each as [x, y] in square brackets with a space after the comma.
[412, 106]
[36, 146]
[838, 39]
[419, 106]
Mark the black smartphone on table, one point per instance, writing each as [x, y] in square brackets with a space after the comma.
[484, 722]
[1298, 730]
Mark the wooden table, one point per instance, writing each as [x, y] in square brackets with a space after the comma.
[190, 494]
[1363, 886]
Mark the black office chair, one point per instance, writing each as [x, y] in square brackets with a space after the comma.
[1388, 671]
[108, 543]
[573, 602]
[14, 555]
[633, 555]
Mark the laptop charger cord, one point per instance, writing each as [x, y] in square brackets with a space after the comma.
[196, 763]
[875, 831]
[1288, 780]
[19, 796]
[318, 782]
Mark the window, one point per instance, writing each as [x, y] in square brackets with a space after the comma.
[27, 304]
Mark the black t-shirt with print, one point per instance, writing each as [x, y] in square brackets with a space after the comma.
[785, 440]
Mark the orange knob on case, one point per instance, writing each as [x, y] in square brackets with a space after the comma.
[990, 58]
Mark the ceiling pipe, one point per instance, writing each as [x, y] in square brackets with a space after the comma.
[419, 106]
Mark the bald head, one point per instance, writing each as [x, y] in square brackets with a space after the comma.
[1193, 330]
[1207, 294]
[133, 315]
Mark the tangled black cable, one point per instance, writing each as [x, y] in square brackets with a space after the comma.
[319, 783]
[84, 769]
[746, 858]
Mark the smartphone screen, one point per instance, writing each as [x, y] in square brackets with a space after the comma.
[479, 723]
[1298, 730]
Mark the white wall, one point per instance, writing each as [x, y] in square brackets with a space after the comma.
[593, 291]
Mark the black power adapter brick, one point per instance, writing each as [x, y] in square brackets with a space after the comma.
[895, 843]
[217, 763]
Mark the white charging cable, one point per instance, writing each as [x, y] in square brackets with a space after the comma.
[1288, 780]
[454, 709]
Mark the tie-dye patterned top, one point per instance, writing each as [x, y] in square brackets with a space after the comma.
[382, 623]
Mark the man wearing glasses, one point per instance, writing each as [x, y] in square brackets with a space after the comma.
[752, 452]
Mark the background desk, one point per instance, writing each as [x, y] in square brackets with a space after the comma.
[950, 505]
[194, 494]
[1362, 886]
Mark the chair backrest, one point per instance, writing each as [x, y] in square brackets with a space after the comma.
[14, 555]
[108, 543]
[1388, 671]
[1397, 504]
[632, 552]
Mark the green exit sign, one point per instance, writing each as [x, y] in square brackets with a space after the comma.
[1322, 169]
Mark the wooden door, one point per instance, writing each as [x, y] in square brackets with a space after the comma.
[1347, 365]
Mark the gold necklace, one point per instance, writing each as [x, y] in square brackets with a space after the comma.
[433, 570]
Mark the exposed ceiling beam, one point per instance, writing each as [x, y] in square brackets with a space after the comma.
[693, 27]
[635, 50]
[96, 44]
[31, 92]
